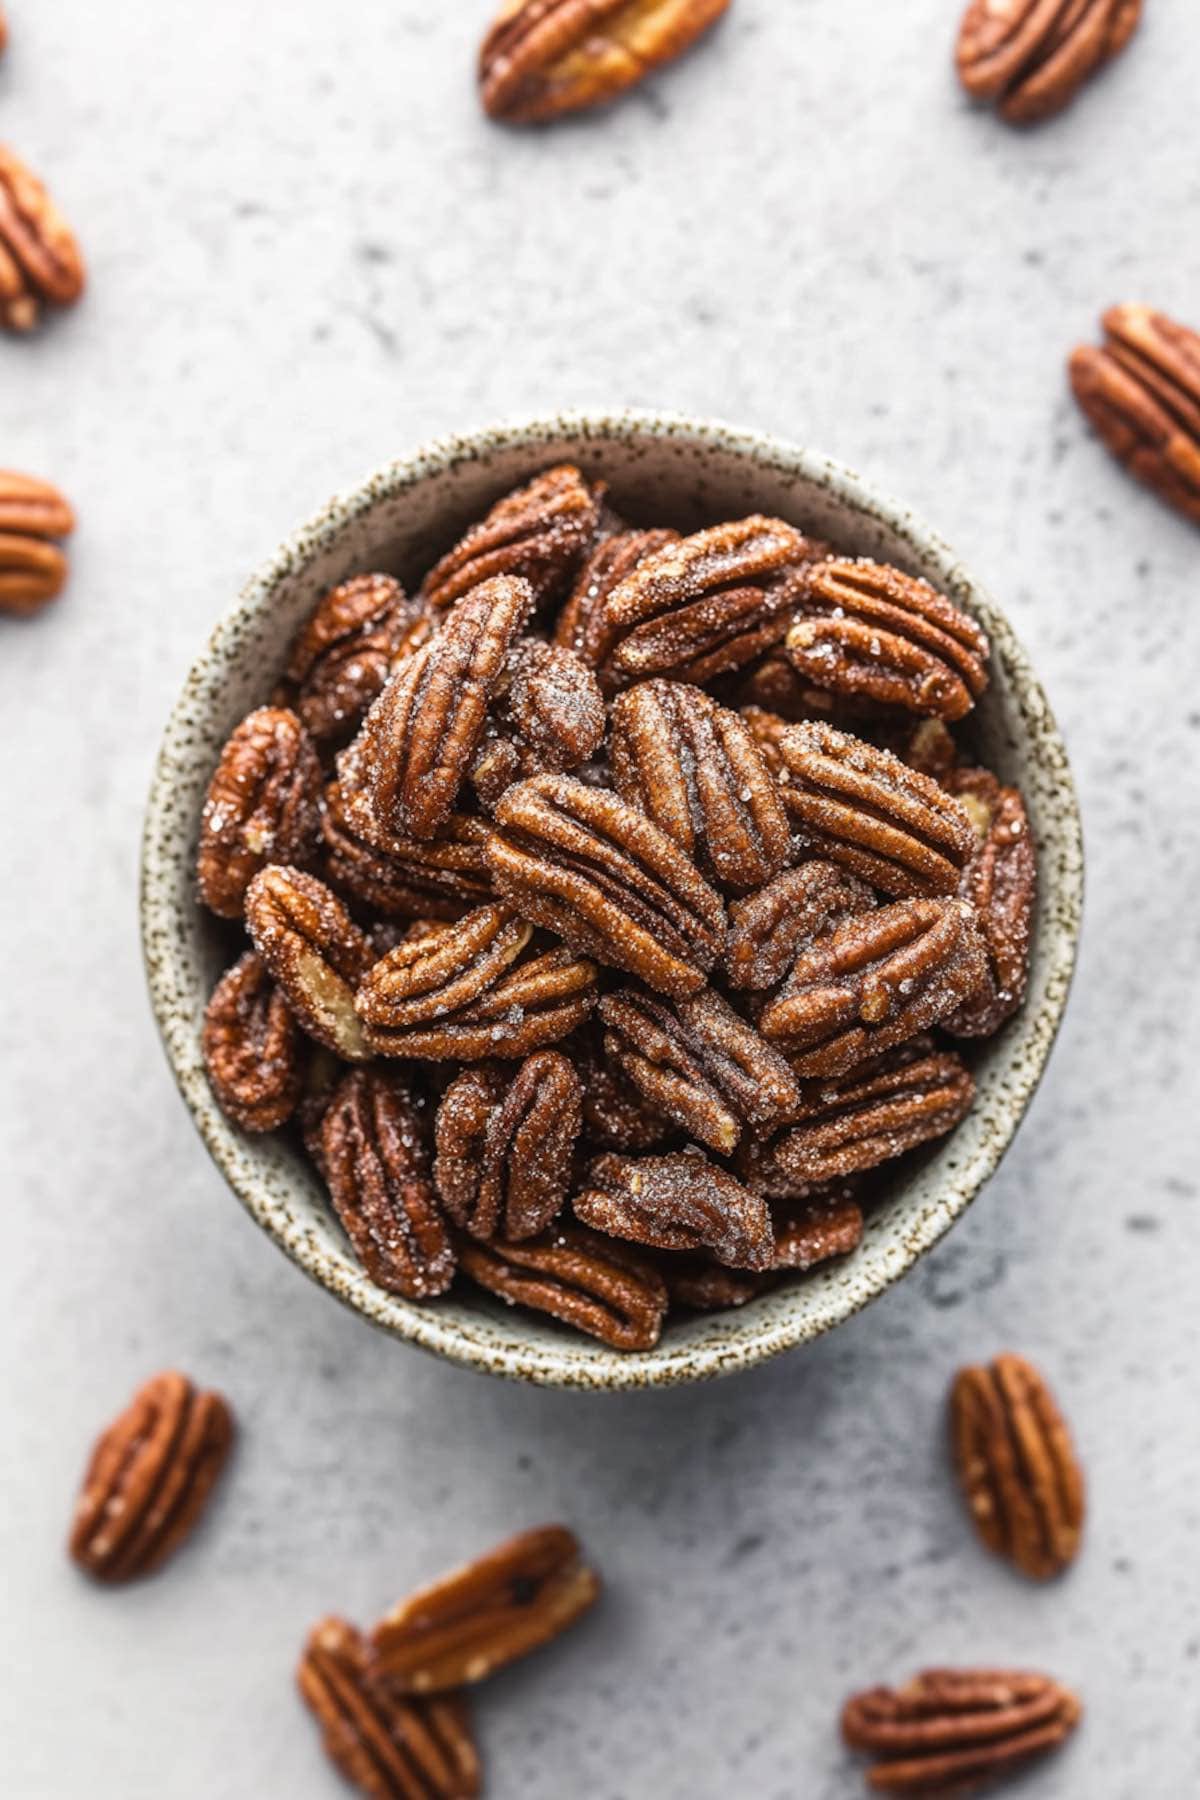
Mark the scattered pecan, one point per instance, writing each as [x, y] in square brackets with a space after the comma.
[263, 806]
[437, 877]
[485, 1615]
[615, 1115]
[149, 1478]
[697, 1062]
[40, 263]
[1141, 391]
[32, 567]
[870, 632]
[874, 982]
[1000, 881]
[550, 718]
[769, 929]
[863, 808]
[342, 656]
[694, 768]
[950, 1729]
[315, 951]
[543, 58]
[251, 1046]
[581, 624]
[1033, 56]
[680, 1202]
[1017, 1465]
[538, 532]
[505, 1142]
[599, 1286]
[828, 1222]
[605, 878]
[417, 741]
[704, 1286]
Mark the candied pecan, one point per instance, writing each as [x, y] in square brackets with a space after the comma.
[418, 739]
[542, 58]
[698, 1063]
[3, 31]
[32, 568]
[388, 1746]
[872, 983]
[437, 877]
[149, 1478]
[947, 1730]
[486, 1614]
[704, 1286]
[768, 930]
[599, 1286]
[1141, 392]
[605, 878]
[263, 806]
[538, 532]
[251, 1046]
[680, 1202]
[929, 747]
[825, 1223]
[376, 1163]
[615, 1115]
[461, 992]
[315, 951]
[551, 718]
[1017, 1465]
[343, 654]
[581, 624]
[40, 263]
[1000, 881]
[1033, 56]
[863, 808]
[695, 769]
[505, 1141]
[868, 631]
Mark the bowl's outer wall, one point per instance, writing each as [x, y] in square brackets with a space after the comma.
[664, 471]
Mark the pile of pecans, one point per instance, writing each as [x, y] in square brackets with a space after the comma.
[615, 906]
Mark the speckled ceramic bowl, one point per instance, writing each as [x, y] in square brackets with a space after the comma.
[661, 469]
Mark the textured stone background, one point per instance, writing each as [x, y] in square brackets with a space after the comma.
[308, 251]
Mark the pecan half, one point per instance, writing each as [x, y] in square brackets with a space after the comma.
[549, 716]
[343, 654]
[704, 1286]
[437, 877]
[263, 806]
[251, 1047]
[863, 808]
[543, 58]
[694, 768]
[1033, 56]
[32, 568]
[417, 741]
[505, 1142]
[538, 532]
[769, 929]
[615, 1115]
[1017, 1465]
[485, 1615]
[376, 1165]
[605, 878]
[1141, 392]
[40, 263]
[149, 1478]
[680, 1202]
[877, 980]
[1000, 881]
[698, 1063]
[386, 1745]
[315, 951]
[870, 632]
[947, 1730]
[581, 625]
[598, 1285]
[828, 1222]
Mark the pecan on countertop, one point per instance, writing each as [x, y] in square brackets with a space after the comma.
[40, 261]
[33, 568]
[1032, 56]
[1141, 392]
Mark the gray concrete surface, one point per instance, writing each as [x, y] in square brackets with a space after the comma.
[308, 251]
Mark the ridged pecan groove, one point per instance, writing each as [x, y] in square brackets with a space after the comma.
[505, 1142]
[262, 806]
[40, 263]
[615, 1115]
[315, 951]
[1141, 392]
[680, 1202]
[1033, 56]
[1000, 882]
[581, 625]
[343, 654]
[538, 532]
[768, 930]
[251, 1048]
[591, 1282]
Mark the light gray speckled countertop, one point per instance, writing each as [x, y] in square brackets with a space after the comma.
[308, 251]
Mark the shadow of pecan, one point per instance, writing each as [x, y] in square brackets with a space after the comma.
[40, 261]
[1033, 56]
[680, 1202]
[263, 806]
[768, 930]
[438, 877]
[315, 951]
[539, 532]
[505, 1142]
[252, 1048]
[598, 1285]
[581, 625]
[343, 654]
[1141, 392]
[1000, 882]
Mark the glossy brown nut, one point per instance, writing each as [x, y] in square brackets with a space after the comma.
[252, 1048]
[602, 876]
[543, 58]
[680, 1202]
[40, 261]
[404, 878]
[698, 1063]
[342, 656]
[586, 1280]
[505, 1141]
[582, 625]
[315, 952]
[1033, 56]
[870, 632]
[32, 568]
[262, 806]
[703, 1286]
[827, 1223]
[1000, 882]
[1017, 1465]
[876, 981]
[615, 1115]
[375, 1161]
[948, 1730]
[695, 769]
[864, 809]
[548, 717]
[768, 930]
[539, 533]
[387, 1745]
[1141, 392]
[149, 1478]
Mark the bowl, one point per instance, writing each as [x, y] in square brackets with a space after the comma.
[661, 468]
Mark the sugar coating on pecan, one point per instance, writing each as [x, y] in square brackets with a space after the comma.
[263, 806]
[40, 260]
[341, 657]
[315, 952]
[600, 1286]
[1033, 56]
[824, 1224]
[252, 1048]
[1000, 881]
[505, 1142]
[548, 715]
[539, 532]
[700, 1285]
[678, 1202]
[582, 624]
[401, 877]
[1141, 393]
[769, 929]
[616, 1116]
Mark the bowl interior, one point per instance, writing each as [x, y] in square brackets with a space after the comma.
[659, 471]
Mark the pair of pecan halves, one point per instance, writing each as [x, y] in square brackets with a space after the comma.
[505, 1143]
[40, 261]
[547, 716]
[1141, 392]
[33, 568]
[263, 806]
[1031, 57]
[769, 929]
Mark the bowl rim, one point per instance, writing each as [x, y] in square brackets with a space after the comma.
[541, 1362]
